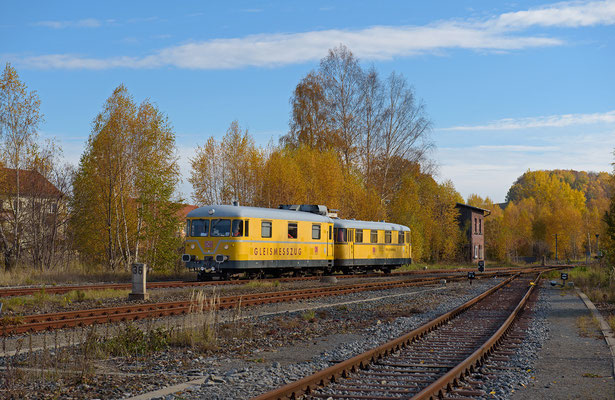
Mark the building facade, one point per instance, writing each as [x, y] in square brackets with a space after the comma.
[472, 222]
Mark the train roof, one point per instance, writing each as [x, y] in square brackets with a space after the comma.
[229, 211]
[351, 223]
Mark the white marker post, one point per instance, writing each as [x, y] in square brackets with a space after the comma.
[139, 272]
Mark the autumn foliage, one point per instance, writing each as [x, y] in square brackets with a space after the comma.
[541, 204]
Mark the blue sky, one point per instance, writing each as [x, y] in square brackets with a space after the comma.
[510, 86]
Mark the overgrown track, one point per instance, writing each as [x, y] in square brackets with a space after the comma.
[429, 362]
[25, 291]
[50, 321]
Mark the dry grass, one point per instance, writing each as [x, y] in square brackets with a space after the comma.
[80, 273]
[588, 326]
[597, 282]
[261, 284]
[200, 330]
[42, 299]
[611, 321]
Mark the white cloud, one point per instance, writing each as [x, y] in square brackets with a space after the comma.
[373, 43]
[266, 50]
[83, 23]
[564, 14]
[551, 121]
[491, 169]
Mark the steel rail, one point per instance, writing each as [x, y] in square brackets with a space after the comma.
[343, 369]
[475, 360]
[39, 322]
[26, 291]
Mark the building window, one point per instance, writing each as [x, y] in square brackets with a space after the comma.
[266, 229]
[316, 231]
[358, 236]
[476, 251]
[292, 230]
[475, 226]
[480, 251]
[480, 226]
[374, 236]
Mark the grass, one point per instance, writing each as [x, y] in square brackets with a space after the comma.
[597, 282]
[588, 326]
[77, 272]
[20, 304]
[200, 332]
[419, 266]
[261, 284]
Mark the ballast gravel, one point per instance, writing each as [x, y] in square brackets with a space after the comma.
[234, 378]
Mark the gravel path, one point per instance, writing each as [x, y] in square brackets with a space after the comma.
[571, 364]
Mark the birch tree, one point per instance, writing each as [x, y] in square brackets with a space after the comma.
[19, 120]
[123, 203]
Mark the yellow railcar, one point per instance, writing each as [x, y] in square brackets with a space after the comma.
[225, 240]
[366, 245]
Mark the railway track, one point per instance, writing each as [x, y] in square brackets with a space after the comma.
[438, 360]
[26, 291]
[68, 319]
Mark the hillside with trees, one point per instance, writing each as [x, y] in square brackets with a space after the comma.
[543, 204]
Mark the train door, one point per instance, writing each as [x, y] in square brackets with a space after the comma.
[350, 236]
[329, 236]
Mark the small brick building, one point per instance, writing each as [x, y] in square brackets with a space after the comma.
[472, 221]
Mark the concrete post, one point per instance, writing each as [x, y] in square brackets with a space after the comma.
[139, 279]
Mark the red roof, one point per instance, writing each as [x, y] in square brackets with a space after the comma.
[31, 183]
[184, 210]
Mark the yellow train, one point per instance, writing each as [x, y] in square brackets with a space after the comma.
[226, 240]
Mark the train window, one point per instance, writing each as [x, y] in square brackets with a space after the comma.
[292, 230]
[200, 227]
[358, 236]
[400, 237]
[408, 238]
[266, 229]
[246, 228]
[237, 228]
[387, 237]
[374, 236]
[329, 234]
[340, 235]
[316, 231]
[220, 227]
[187, 231]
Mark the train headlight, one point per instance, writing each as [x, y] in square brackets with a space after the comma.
[192, 246]
[226, 247]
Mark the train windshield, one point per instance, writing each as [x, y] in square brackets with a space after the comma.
[200, 227]
[220, 227]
